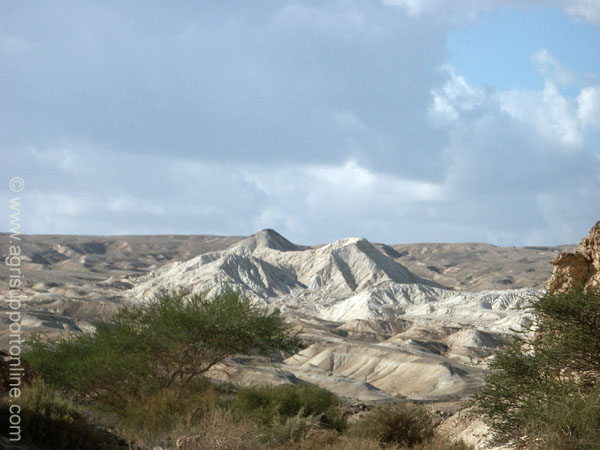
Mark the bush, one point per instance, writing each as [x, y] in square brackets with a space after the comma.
[220, 430]
[570, 421]
[159, 418]
[168, 342]
[270, 404]
[51, 422]
[396, 423]
[544, 386]
[293, 429]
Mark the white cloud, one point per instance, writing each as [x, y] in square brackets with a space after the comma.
[556, 117]
[553, 115]
[350, 184]
[344, 188]
[502, 184]
[588, 106]
[335, 201]
[412, 7]
[454, 98]
[469, 10]
[551, 68]
[588, 10]
[518, 160]
[453, 10]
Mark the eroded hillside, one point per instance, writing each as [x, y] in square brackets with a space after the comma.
[416, 321]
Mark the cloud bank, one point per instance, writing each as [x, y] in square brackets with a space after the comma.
[323, 121]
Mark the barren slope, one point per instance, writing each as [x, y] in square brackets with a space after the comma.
[378, 319]
[374, 326]
[475, 267]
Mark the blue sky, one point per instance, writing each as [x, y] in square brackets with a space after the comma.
[399, 120]
[497, 49]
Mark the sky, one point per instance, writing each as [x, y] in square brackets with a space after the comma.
[397, 120]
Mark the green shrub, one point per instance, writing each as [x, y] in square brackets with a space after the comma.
[293, 429]
[270, 404]
[396, 423]
[167, 342]
[159, 417]
[570, 421]
[54, 423]
[544, 387]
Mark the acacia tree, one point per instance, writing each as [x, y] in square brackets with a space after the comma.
[167, 342]
[544, 389]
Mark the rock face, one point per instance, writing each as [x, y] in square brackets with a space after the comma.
[578, 269]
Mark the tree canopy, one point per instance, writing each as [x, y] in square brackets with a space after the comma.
[544, 389]
[166, 342]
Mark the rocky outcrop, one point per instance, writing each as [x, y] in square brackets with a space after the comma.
[578, 269]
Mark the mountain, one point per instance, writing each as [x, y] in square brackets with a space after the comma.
[267, 265]
[376, 330]
[346, 280]
[380, 321]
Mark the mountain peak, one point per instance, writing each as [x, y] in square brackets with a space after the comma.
[270, 232]
[269, 238]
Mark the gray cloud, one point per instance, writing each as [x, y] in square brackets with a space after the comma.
[265, 84]
[322, 120]
[469, 10]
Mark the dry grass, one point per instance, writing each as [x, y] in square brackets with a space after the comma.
[203, 422]
[218, 430]
[398, 423]
[53, 421]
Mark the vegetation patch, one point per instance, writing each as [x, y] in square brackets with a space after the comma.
[142, 373]
[397, 423]
[279, 404]
[51, 422]
[166, 343]
[544, 390]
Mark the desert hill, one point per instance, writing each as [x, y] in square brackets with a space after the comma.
[376, 329]
[71, 260]
[268, 265]
[382, 320]
[415, 321]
